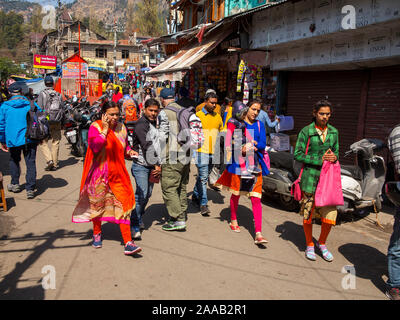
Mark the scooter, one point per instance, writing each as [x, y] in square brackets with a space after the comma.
[361, 184]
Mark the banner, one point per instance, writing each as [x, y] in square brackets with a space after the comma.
[70, 70]
[97, 63]
[44, 62]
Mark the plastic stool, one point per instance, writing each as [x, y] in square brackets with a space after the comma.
[3, 196]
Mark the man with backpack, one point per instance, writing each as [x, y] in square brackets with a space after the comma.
[180, 132]
[13, 130]
[50, 101]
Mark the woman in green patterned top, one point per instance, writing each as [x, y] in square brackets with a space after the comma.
[323, 141]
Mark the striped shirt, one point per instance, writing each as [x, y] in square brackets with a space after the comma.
[394, 147]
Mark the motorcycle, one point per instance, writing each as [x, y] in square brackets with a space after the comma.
[361, 184]
[80, 116]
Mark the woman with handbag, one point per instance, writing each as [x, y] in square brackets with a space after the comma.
[234, 180]
[146, 168]
[318, 142]
[106, 192]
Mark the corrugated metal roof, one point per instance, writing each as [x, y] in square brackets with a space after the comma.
[189, 55]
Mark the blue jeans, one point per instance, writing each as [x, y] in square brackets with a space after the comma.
[204, 165]
[394, 253]
[144, 189]
[29, 151]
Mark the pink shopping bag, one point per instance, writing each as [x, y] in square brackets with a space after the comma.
[329, 188]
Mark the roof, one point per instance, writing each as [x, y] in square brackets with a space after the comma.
[75, 58]
[66, 16]
[174, 68]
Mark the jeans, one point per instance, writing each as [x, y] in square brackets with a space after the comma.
[144, 189]
[394, 253]
[204, 165]
[29, 151]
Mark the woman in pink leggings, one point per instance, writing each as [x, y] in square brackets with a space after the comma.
[233, 178]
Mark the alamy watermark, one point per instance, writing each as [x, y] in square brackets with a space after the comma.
[49, 280]
[349, 280]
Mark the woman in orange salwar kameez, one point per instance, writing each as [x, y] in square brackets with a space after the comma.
[106, 192]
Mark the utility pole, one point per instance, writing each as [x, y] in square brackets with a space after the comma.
[116, 27]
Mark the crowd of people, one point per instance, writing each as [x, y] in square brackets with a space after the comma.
[171, 131]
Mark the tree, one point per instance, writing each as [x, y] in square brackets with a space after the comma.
[11, 29]
[148, 18]
[7, 68]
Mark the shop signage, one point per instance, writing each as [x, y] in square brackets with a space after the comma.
[70, 70]
[96, 63]
[44, 62]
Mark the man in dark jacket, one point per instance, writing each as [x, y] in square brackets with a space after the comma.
[13, 127]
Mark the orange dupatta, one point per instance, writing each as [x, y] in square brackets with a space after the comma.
[118, 176]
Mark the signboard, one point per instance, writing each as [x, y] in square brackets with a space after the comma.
[70, 70]
[44, 62]
[96, 63]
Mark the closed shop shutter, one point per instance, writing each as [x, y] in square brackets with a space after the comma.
[383, 107]
[341, 88]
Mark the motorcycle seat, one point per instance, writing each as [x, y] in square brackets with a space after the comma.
[282, 160]
[351, 171]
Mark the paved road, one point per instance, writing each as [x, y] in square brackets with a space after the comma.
[208, 261]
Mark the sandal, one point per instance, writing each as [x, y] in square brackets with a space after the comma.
[310, 253]
[260, 239]
[325, 252]
[234, 228]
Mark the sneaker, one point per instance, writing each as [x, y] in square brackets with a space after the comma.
[131, 248]
[393, 293]
[137, 235]
[55, 168]
[97, 242]
[325, 252]
[30, 194]
[205, 211]
[49, 166]
[16, 188]
[310, 253]
[174, 225]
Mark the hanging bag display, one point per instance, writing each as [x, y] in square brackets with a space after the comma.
[295, 189]
[329, 188]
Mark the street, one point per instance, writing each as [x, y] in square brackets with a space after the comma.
[43, 255]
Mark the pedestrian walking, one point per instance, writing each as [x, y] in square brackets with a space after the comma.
[130, 108]
[146, 168]
[106, 192]
[317, 142]
[136, 95]
[147, 94]
[175, 166]
[201, 105]
[117, 95]
[232, 178]
[265, 119]
[212, 126]
[393, 290]
[52, 103]
[13, 127]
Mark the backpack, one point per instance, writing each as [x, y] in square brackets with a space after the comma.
[53, 106]
[37, 127]
[131, 110]
[189, 126]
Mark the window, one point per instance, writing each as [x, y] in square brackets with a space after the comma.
[101, 53]
[125, 54]
[76, 50]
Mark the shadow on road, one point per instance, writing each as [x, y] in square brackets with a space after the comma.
[244, 217]
[155, 212]
[49, 182]
[9, 284]
[292, 232]
[69, 162]
[369, 263]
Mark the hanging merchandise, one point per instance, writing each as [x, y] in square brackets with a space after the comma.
[241, 74]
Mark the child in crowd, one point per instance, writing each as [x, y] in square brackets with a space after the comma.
[236, 126]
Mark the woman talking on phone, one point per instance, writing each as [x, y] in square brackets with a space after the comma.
[106, 192]
[317, 142]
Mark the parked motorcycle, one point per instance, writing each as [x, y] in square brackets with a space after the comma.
[361, 184]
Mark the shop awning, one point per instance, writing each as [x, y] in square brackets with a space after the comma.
[176, 66]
